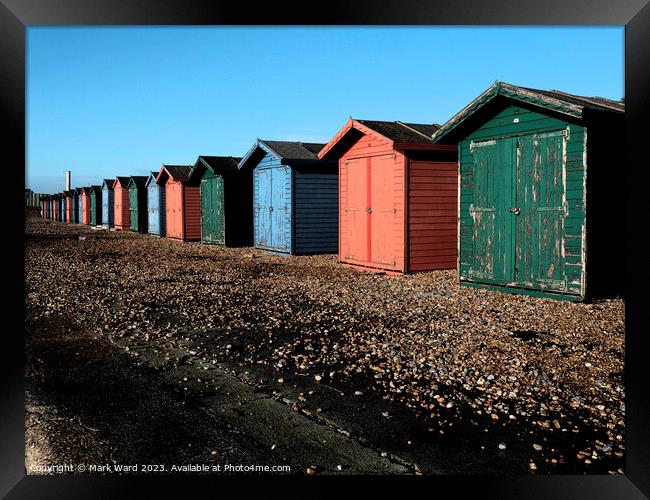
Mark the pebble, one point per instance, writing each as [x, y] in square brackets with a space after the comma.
[423, 329]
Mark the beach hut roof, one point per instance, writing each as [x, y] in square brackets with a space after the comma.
[286, 151]
[551, 100]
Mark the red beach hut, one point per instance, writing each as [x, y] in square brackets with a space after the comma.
[55, 207]
[68, 206]
[122, 216]
[84, 201]
[182, 203]
[397, 196]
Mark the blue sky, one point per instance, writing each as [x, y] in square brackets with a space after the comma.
[121, 101]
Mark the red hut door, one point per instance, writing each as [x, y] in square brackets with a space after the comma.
[355, 211]
[174, 210]
[370, 212]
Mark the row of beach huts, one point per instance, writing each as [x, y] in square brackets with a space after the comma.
[517, 192]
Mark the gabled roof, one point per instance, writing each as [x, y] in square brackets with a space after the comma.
[87, 189]
[401, 135]
[286, 151]
[219, 163]
[175, 172]
[124, 181]
[551, 100]
[96, 188]
[79, 190]
[67, 193]
[399, 132]
[109, 183]
[138, 180]
[216, 164]
[153, 176]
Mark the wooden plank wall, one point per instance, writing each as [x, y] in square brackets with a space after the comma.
[316, 211]
[192, 212]
[433, 197]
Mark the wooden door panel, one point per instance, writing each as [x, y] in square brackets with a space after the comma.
[540, 224]
[382, 210]
[173, 209]
[206, 209]
[280, 217]
[356, 227]
[492, 218]
[153, 209]
[263, 206]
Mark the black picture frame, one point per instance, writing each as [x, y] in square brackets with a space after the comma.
[16, 15]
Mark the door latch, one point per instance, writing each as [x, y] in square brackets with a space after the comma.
[270, 209]
[369, 210]
[515, 210]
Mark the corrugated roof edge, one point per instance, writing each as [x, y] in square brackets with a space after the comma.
[202, 164]
[300, 144]
[414, 130]
[138, 180]
[263, 144]
[532, 96]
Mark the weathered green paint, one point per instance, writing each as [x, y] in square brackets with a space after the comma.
[507, 90]
[133, 207]
[93, 208]
[212, 209]
[522, 209]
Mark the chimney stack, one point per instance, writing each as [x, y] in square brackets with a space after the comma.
[67, 180]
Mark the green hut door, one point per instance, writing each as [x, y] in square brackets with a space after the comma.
[133, 208]
[518, 211]
[93, 204]
[493, 223]
[541, 203]
[212, 209]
